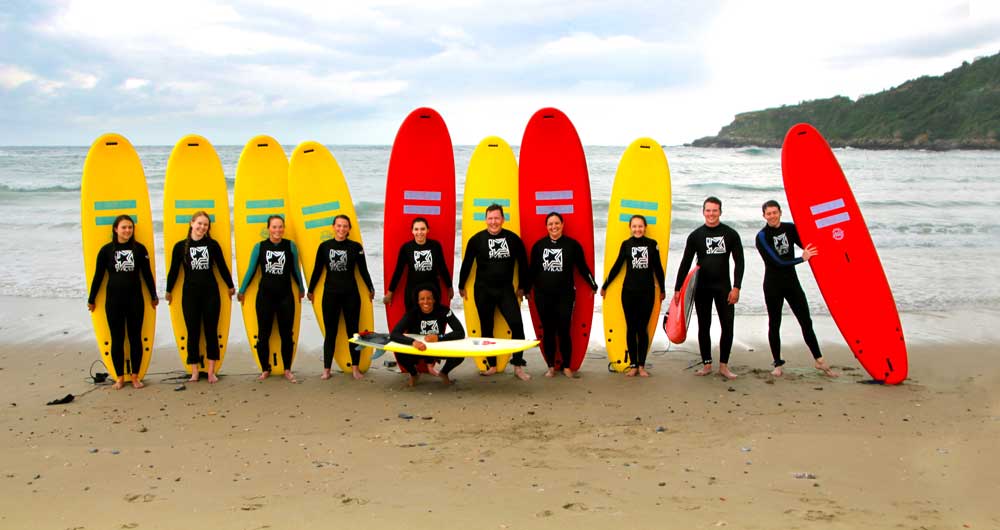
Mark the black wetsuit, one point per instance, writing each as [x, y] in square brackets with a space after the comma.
[423, 264]
[550, 275]
[200, 302]
[782, 283]
[433, 323]
[279, 266]
[495, 257]
[124, 264]
[641, 257]
[713, 246]
[340, 292]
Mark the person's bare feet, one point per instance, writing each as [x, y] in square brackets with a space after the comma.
[777, 372]
[119, 383]
[290, 376]
[212, 378]
[705, 370]
[825, 368]
[631, 372]
[569, 373]
[724, 370]
[489, 371]
[550, 372]
[264, 375]
[326, 374]
[643, 372]
[136, 383]
[521, 374]
[413, 380]
[194, 376]
[356, 372]
[432, 370]
[444, 378]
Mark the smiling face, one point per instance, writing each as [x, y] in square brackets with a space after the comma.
[425, 300]
[124, 230]
[554, 225]
[772, 214]
[711, 211]
[341, 228]
[494, 221]
[637, 226]
[276, 229]
[419, 231]
[200, 226]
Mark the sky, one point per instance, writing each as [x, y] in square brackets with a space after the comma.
[349, 72]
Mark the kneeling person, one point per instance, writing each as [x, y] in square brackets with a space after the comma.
[428, 319]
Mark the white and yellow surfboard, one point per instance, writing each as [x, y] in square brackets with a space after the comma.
[114, 184]
[642, 186]
[491, 178]
[261, 190]
[196, 182]
[318, 192]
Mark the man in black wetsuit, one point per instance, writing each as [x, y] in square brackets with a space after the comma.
[496, 251]
[775, 243]
[714, 243]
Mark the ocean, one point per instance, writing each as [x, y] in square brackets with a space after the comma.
[933, 215]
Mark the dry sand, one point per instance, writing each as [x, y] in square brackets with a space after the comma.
[603, 451]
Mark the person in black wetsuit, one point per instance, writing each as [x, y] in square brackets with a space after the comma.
[551, 284]
[713, 243]
[126, 262]
[496, 251]
[641, 256]
[278, 261]
[424, 262]
[338, 258]
[200, 302]
[429, 319]
[775, 244]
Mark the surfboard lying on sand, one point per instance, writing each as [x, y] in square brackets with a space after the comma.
[678, 318]
[467, 347]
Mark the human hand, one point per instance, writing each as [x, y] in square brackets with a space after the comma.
[734, 296]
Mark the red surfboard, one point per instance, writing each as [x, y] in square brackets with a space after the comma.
[679, 314]
[420, 183]
[847, 268]
[553, 178]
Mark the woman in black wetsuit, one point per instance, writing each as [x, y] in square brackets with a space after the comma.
[550, 275]
[126, 262]
[200, 302]
[278, 261]
[429, 319]
[641, 256]
[424, 262]
[339, 257]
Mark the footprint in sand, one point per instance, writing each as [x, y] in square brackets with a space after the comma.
[139, 497]
[575, 507]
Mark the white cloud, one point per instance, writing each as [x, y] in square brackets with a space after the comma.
[83, 80]
[134, 83]
[12, 76]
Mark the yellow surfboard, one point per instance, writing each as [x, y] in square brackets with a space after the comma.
[195, 182]
[261, 190]
[114, 184]
[491, 178]
[318, 192]
[642, 186]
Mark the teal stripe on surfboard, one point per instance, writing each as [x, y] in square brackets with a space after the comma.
[114, 205]
[108, 220]
[318, 208]
[194, 203]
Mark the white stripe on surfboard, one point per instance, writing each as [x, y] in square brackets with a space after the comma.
[824, 222]
[817, 209]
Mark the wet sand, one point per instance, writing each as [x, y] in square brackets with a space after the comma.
[602, 451]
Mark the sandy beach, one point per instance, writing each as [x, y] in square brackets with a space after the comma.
[602, 451]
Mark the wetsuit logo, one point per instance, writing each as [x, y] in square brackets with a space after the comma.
[422, 261]
[499, 249]
[429, 327]
[552, 260]
[199, 258]
[338, 260]
[275, 262]
[781, 244]
[640, 257]
[715, 245]
[124, 261]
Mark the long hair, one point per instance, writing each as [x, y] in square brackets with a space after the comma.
[114, 227]
[187, 240]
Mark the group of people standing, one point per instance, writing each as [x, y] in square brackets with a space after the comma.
[495, 251]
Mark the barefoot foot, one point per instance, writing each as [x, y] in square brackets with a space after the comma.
[119, 383]
[777, 372]
[413, 380]
[489, 371]
[550, 372]
[569, 373]
[264, 375]
[356, 372]
[631, 372]
[724, 370]
[290, 376]
[326, 374]
[705, 370]
[444, 378]
[825, 368]
[521, 374]
[643, 372]
[136, 383]
[212, 378]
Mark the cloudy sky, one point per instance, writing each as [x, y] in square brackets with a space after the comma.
[348, 72]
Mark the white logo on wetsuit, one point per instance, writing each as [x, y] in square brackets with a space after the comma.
[715, 245]
[275, 262]
[338, 260]
[124, 261]
[429, 327]
[552, 260]
[640, 257]
[422, 260]
[199, 258]
[499, 249]
[781, 244]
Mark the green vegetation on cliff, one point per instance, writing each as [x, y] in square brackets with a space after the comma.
[958, 110]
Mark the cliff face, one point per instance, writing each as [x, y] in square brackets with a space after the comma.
[958, 110]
